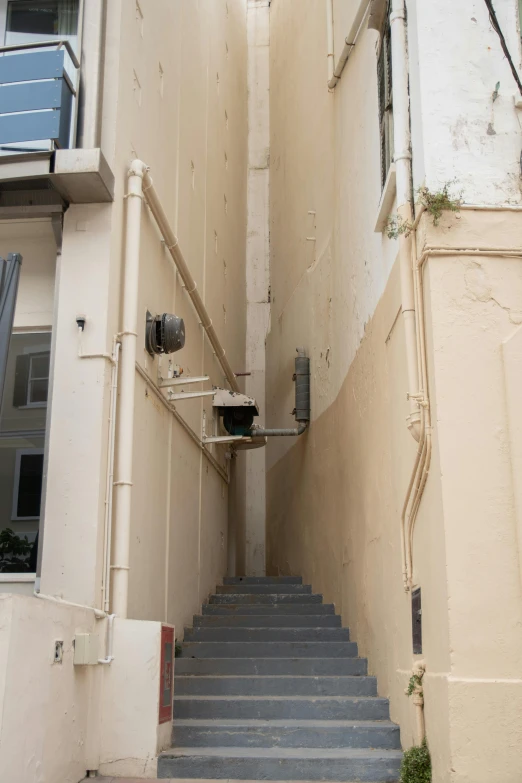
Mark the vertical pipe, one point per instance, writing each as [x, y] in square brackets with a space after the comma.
[125, 429]
[330, 38]
[110, 478]
[402, 160]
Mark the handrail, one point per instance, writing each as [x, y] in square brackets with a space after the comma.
[42, 45]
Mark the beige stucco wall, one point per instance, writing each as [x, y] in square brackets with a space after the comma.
[76, 718]
[175, 96]
[334, 498]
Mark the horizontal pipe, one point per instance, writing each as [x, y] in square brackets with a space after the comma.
[258, 432]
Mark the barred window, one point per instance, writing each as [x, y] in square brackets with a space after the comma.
[384, 76]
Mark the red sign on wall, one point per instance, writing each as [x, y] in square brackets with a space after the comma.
[166, 673]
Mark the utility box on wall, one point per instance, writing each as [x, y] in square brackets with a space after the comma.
[166, 674]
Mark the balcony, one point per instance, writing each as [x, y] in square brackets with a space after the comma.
[39, 163]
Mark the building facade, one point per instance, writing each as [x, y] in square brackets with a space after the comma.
[339, 175]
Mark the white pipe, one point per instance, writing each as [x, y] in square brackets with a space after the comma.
[350, 40]
[106, 592]
[110, 638]
[125, 428]
[172, 245]
[330, 39]
[98, 613]
[113, 358]
[402, 160]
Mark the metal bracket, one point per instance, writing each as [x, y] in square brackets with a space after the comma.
[165, 382]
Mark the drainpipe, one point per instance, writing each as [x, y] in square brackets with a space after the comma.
[125, 428]
[302, 401]
[402, 160]
[349, 43]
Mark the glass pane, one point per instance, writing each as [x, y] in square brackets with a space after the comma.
[18, 537]
[38, 391]
[30, 485]
[41, 20]
[40, 366]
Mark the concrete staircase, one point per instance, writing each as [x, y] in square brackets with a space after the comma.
[269, 687]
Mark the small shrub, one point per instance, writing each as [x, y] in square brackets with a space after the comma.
[416, 765]
[414, 682]
[434, 203]
[439, 202]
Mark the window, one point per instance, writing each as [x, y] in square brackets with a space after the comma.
[384, 77]
[31, 380]
[27, 492]
[41, 20]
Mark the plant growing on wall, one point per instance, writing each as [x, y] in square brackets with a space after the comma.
[14, 552]
[416, 765]
[435, 203]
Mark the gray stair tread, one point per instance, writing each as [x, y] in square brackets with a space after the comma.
[283, 723]
[299, 753]
[328, 699]
[262, 580]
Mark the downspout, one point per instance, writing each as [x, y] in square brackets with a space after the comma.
[349, 43]
[402, 160]
[125, 428]
[302, 402]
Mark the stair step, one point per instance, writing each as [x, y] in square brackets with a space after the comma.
[268, 650]
[268, 621]
[263, 580]
[272, 667]
[266, 634]
[269, 599]
[247, 589]
[254, 685]
[280, 707]
[286, 734]
[339, 764]
[279, 609]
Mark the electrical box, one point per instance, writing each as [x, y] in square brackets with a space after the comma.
[86, 649]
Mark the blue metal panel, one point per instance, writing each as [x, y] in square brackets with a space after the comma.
[30, 126]
[31, 65]
[31, 96]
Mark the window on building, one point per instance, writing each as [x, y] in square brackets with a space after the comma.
[22, 445]
[41, 20]
[28, 484]
[31, 380]
[384, 76]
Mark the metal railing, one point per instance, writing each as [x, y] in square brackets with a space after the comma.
[37, 96]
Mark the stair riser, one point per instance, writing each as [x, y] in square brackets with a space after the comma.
[287, 737]
[268, 621]
[274, 667]
[263, 580]
[264, 589]
[275, 686]
[376, 771]
[266, 634]
[280, 709]
[268, 649]
[230, 610]
[270, 599]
